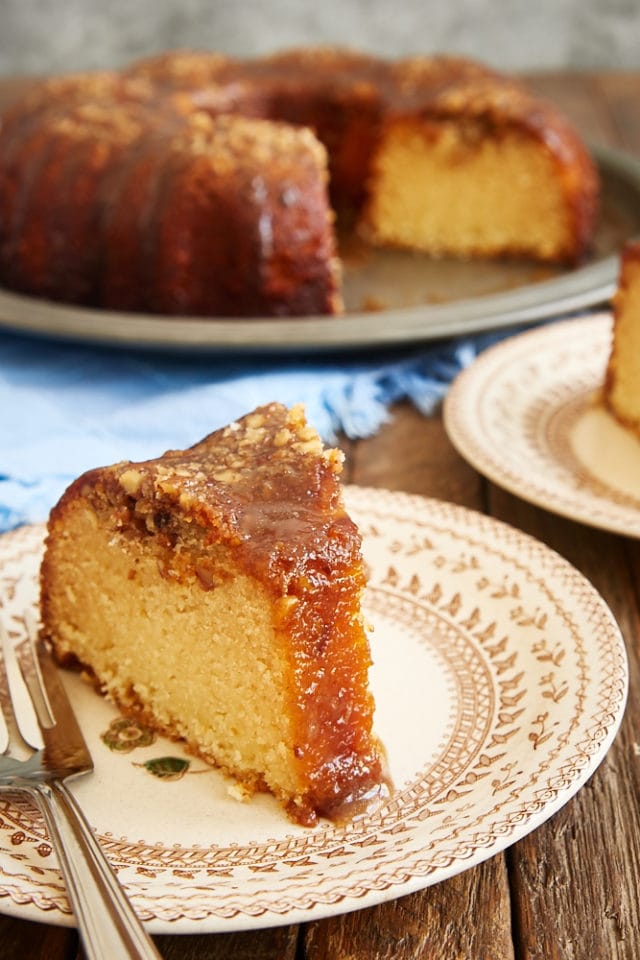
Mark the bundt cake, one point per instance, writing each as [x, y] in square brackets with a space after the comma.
[215, 593]
[194, 183]
[115, 197]
[622, 381]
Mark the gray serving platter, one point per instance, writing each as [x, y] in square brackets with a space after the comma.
[393, 298]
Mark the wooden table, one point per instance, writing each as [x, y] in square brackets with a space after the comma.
[568, 891]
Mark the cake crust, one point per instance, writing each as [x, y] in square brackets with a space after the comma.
[243, 543]
[194, 183]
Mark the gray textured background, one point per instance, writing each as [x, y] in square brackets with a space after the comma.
[43, 36]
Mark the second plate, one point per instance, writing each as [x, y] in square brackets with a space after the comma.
[527, 414]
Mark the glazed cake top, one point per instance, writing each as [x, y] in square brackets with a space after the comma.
[264, 484]
[180, 82]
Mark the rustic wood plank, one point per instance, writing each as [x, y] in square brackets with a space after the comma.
[632, 550]
[620, 94]
[465, 917]
[278, 943]
[25, 940]
[413, 453]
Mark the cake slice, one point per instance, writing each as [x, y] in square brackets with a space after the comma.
[215, 594]
[622, 381]
[469, 164]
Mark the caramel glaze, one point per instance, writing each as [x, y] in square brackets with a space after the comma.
[265, 487]
[111, 168]
[114, 195]
[347, 97]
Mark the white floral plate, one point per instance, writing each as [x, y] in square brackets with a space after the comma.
[528, 415]
[500, 677]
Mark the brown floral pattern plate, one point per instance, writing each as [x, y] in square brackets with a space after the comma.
[500, 678]
[528, 414]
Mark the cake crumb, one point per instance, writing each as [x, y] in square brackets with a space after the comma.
[237, 791]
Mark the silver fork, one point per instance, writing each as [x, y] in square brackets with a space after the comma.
[42, 748]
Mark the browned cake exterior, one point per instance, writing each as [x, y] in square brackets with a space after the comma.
[437, 154]
[357, 104]
[341, 95]
[54, 165]
[216, 593]
[230, 218]
[338, 93]
[111, 196]
[622, 380]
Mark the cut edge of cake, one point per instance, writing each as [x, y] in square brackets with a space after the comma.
[237, 569]
[621, 389]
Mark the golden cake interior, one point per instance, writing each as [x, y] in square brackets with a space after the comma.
[216, 594]
[622, 383]
[446, 188]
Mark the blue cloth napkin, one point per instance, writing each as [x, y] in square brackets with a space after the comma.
[66, 407]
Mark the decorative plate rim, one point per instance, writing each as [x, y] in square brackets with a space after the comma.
[567, 494]
[424, 553]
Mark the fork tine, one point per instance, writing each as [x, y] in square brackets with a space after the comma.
[31, 670]
[71, 749]
[20, 720]
[61, 734]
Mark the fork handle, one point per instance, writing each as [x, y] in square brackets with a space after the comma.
[107, 923]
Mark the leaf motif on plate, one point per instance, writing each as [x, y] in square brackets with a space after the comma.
[166, 768]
